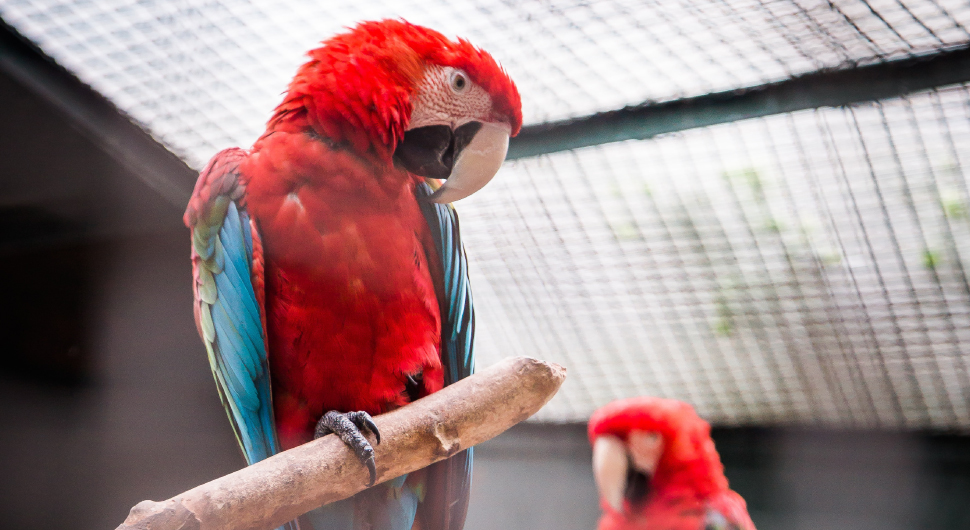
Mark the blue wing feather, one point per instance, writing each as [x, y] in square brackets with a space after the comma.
[230, 320]
[239, 358]
[458, 322]
[449, 481]
[239, 344]
[249, 350]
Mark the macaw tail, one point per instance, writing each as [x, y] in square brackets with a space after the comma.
[392, 505]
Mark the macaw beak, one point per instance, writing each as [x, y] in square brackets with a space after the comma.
[623, 471]
[610, 466]
[476, 164]
[467, 156]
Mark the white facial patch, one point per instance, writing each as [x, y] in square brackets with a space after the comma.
[447, 96]
[645, 447]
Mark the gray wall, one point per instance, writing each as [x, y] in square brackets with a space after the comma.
[145, 422]
[534, 477]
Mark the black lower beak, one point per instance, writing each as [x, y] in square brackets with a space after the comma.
[431, 151]
[637, 486]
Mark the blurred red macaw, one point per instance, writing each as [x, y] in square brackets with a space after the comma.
[656, 468]
[330, 280]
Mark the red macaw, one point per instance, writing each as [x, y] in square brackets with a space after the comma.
[656, 468]
[330, 280]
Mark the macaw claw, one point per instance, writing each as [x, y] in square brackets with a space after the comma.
[350, 428]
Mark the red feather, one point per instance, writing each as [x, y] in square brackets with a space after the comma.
[351, 271]
[357, 88]
[689, 480]
[350, 312]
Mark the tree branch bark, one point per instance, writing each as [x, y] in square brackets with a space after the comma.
[280, 488]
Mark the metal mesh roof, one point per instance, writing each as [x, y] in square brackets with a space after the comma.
[805, 267]
[204, 75]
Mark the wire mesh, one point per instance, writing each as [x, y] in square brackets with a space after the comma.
[203, 75]
[805, 268]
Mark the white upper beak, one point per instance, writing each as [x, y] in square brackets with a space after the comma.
[610, 465]
[477, 163]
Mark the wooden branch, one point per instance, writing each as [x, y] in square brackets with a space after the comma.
[280, 488]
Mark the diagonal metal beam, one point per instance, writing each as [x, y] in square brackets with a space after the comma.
[827, 88]
[96, 117]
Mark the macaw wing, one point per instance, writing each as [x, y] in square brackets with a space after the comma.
[457, 313]
[227, 266]
[449, 481]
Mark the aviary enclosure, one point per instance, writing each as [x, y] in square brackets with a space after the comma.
[758, 207]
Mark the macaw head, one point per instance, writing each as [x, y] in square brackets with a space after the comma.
[649, 454]
[411, 97]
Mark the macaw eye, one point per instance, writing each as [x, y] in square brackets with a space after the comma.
[459, 81]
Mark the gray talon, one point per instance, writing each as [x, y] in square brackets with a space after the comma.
[372, 467]
[365, 422]
[350, 428]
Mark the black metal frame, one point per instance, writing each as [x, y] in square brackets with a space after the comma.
[96, 117]
[829, 88]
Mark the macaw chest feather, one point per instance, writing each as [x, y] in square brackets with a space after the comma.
[351, 310]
